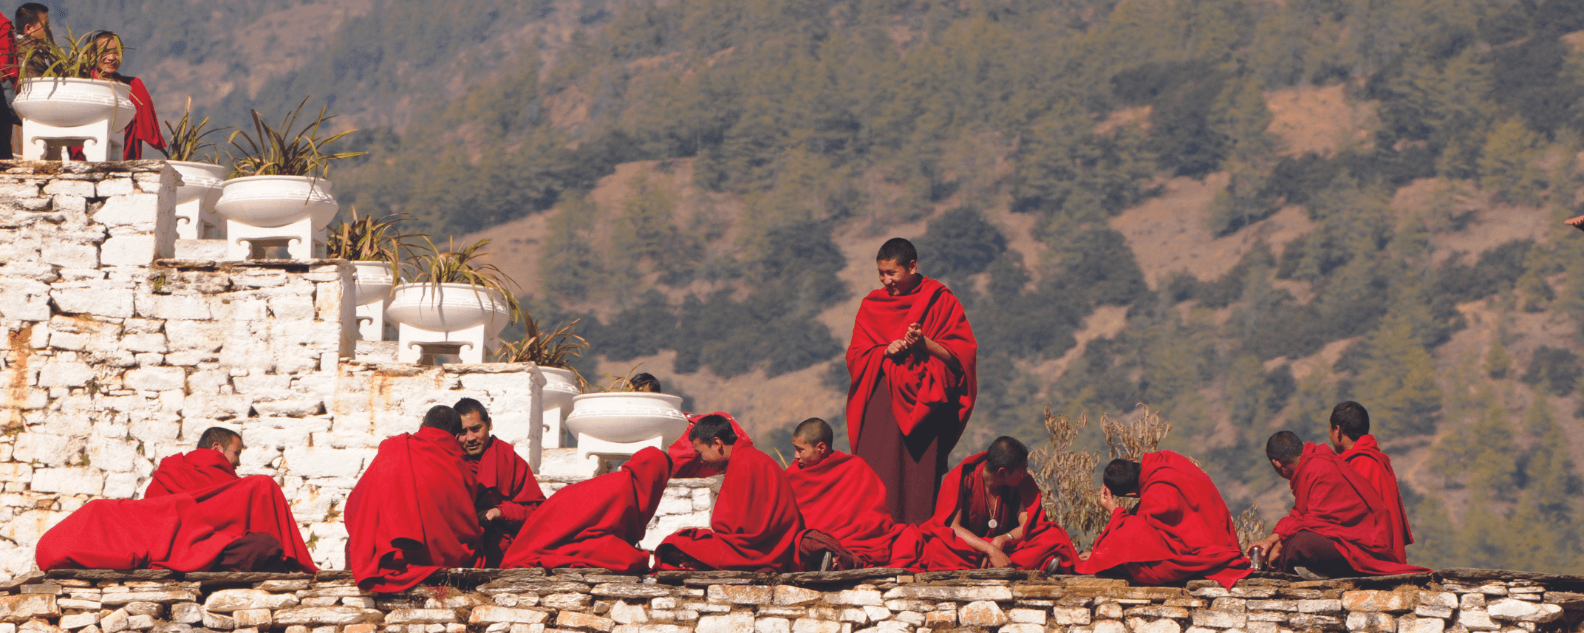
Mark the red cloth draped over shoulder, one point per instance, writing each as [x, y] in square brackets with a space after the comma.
[193, 470]
[411, 513]
[844, 498]
[505, 482]
[755, 523]
[685, 463]
[185, 531]
[596, 523]
[1366, 458]
[941, 550]
[1181, 528]
[144, 127]
[919, 383]
[1332, 500]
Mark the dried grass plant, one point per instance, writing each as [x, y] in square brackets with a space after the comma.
[280, 151]
[185, 139]
[1250, 527]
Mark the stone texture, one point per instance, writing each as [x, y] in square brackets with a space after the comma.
[489, 614]
[1377, 601]
[981, 613]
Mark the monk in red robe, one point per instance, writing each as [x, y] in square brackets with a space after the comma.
[596, 523]
[686, 462]
[1181, 528]
[755, 523]
[215, 461]
[989, 514]
[508, 492]
[145, 126]
[911, 361]
[1350, 437]
[411, 513]
[9, 72]
[1338, 526]
[842, 498]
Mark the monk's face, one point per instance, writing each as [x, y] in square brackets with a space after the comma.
[1285, 470]
[475, 433]
[37, 29]
[1010, 478]
[1336, 439]
[110, 57]
[716, 453]
[233, 452]
[898, 279]
[810, 455]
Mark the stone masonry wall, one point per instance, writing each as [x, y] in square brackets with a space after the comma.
[882, 601]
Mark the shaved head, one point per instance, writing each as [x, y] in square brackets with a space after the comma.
[1007, 453]
[1284, 447]
[218, 438]
[814, 431]
[897, 250]
[1122, 476]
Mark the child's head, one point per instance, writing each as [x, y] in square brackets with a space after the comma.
[897, 262]
[812, 442]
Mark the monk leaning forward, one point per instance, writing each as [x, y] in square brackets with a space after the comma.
[755, 523]
[596, 523]
[508, 493]
[989, 515]
[1350, 427]
[843, 504]
[686, 463]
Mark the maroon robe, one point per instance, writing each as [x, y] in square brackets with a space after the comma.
[506, 483]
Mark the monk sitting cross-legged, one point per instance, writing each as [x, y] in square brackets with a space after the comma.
[411, 513]
[507, 490]
[841, 499]
[215, 461]
[989, 515]
[596, 523]
[755, 523]
[1338, 525]
[1181, 528]
[1350, 427]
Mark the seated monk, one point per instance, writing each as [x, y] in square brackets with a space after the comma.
[215, 461]
[596, 523]
[411, 513]
[755, 523]
[1181, 528]
[185, 523]
[1350, 427]
[507, 489]
[686, 463]
[1338, 526]
[989, 514]
[841, 498]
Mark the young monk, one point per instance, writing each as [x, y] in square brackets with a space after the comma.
[215, 461]
[1351, 439]
[1338, 525]
[911, 361]
[1181, 528]
[145, 126]
[411, 513]
[596, 523]
[755, 523]
[989, 515]
[33, 39]
[841, 498]
[508, 492]
[686, 462]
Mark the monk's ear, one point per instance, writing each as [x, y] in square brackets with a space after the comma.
[822, 447]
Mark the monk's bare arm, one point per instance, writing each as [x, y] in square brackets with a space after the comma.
[940, 352]
[967, 536]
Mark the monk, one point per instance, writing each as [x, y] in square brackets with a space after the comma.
[508, 492]
[411, 513]
[755, 523]
[841, 499]
[33, 40]
[1180, 530]
[989, 514]
[216, 459]
[596, 523]
[1338, 526]
[1351, 439]
[912, 365]
[144, 127]
[196, 516]
[9, 72]
[686, 462]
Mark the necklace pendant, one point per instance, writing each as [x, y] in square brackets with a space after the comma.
[993, 524]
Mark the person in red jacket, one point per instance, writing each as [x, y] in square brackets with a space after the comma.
[755, 523]
[508, 492]
[1350, 437]
[216, 459]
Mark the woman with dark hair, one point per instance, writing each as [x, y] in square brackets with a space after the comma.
[145, 124]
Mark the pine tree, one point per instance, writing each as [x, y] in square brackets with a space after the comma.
[1507, 163]
[1397, 381]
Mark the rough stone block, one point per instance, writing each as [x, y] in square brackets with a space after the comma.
[129, 210]
[156, 379]
[252, 618]
[770, 625]
[420, 616]
[1377, 601]
[1472, 601]
[70, 255]
[129, 250]
[740, 594]
[578, 620]
[488, 614]
[1140, 625]
[1322, 607]
[229, 600]
[186, 613]
[957, 594]
[309, 616]
[565, 601]
[981, 613]
[1414, 624]
[1070, 616]
[735, 622]
[74, 481]
[1028, 616]
[1476, 620]
[857, 597]
[65, 374]
[811, 625]
[22, 607]
[786, 595]
[1220, 619]
[78, 620]
[315, 462]
[1370, 622]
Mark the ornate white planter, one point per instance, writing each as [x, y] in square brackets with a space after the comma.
[281, 210]
[373, 281]
[447, 315]
[196, 197]
[619, 424]
[60, 112]
[559, 390]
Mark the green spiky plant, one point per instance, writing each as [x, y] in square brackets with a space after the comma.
[281, 151]
[555, 348]
[185, 139]
[462, 266]
[367, 238]
[76, 60]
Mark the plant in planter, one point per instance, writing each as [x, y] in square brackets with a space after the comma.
[202, 178]
[619, 420]
[374, 246]
[61, 106]
[185, 139]
[552, 351]
[278, 151]
[453, 298]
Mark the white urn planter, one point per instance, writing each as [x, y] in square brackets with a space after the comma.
[196, 198]
[62, 112]
[372, 283]
[290, 211]
[619, 424]
[459, 319]
[559, 390]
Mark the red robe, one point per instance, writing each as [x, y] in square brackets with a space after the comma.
[1181, 529]
[844, 498]
[1334, 501]
[596, 523]
[195, 469]
[685, 463]
[962, 491]
[185, 531]
[506, 482]
[755, 523]
[144, 127]
[920, 384]
[1367, 458]
[411, 513]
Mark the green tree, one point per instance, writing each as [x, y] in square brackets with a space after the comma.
[1398, 380]
[1507, 164]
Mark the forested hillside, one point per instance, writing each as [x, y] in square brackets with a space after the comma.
[1238, 212]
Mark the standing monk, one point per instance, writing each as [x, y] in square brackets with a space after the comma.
[507, 489]
[755, 523]
[1350, 437]
[989, 515]
[911, 361]
[1181, 528]
[215, 461]
[598, 522]
[1338, 525]
[411, 513]
[840, 497]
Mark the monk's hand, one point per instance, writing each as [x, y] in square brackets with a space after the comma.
[897, 347]
[1107, 501]
[492, 514]
[1271, 545]
[998, 559]
[1086, 555]
[1000, 542]
[915, 335]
